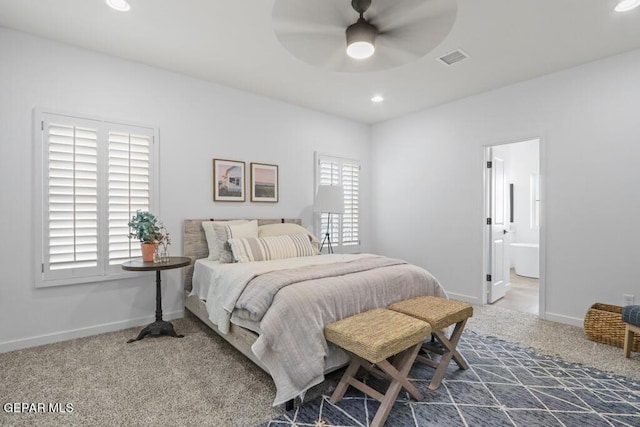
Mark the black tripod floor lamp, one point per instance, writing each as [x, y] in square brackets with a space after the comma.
[329, 200]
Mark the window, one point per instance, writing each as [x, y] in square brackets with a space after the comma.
[344, 228]
[92, 177]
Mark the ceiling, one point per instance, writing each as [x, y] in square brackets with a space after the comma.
[232, 42]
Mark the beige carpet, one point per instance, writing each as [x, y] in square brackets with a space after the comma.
[553, 339]
[201, 380]
[196, 380]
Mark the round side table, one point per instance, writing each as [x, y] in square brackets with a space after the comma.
[159, 327]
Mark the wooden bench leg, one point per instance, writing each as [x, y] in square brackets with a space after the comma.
[399, 371]
[396, 372]
[450, 352]
[629, 337]
[343, 385]
[455, 338]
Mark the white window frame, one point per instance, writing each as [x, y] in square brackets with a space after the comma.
[103, 271]
[338, 233]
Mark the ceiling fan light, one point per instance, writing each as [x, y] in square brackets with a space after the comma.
[361, 38]
[626, 5]
[360, 50]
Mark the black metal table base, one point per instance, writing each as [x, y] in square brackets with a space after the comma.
[159, 327]
[155, 329]
[288, 405]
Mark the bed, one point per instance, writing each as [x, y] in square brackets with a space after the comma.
[274, 311]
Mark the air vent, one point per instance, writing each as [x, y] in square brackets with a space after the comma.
[453, 57]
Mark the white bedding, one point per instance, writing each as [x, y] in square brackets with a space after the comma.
[202, 276]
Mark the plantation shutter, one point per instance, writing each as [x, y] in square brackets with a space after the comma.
[344, 229]
[350, 176]
[91, 176]
[71, 220]
[129, 190]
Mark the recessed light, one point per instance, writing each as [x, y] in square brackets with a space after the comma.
[377, 98]
[119, 5]
[626, 5]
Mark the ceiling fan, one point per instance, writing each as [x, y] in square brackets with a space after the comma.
[362, 35]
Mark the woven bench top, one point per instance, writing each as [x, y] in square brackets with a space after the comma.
[438, 312]
[377, 334]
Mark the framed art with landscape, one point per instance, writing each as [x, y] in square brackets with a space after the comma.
[264, 182]
[228, 181]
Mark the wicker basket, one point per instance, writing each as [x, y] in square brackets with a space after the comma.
[603, 323]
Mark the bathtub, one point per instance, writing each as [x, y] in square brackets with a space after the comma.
[526, 259]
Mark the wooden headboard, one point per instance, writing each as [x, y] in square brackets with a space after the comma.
[194, 242]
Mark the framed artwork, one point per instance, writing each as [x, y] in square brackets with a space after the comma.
[228, 181]
[264, 182]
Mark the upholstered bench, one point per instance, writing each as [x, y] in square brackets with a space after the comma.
[440, 313]
[372, 338]
[630, 316]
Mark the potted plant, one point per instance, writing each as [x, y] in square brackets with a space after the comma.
[144, 227]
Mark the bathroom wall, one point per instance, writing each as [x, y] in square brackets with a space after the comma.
[524, 162]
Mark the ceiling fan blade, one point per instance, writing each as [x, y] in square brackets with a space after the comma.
[337, 60]
[418, 37]
[391, 58]
[297, 27]
[384, 59]
[428, 13]
[408, 50]
[395, 9]
[330, 13]
[316, 49]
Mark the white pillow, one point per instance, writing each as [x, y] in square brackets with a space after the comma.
[216, 236]
[281, 229]
[237, 231]
[272, 247]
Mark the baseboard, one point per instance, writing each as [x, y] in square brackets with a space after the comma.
[574, 321]
[84, 332]
[464, 298]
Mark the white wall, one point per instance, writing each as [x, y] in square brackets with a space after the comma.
[197, 120]
[428, 179]
[429, 182]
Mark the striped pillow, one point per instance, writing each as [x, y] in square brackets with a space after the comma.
[216, 235]
[271, 247]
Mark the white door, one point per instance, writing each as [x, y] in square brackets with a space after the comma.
[498, 268]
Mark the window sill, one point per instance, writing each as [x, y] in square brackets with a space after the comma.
[40, 284]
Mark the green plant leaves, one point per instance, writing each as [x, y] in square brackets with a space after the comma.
[144, 227]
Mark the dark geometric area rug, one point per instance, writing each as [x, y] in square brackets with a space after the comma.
[505, 385]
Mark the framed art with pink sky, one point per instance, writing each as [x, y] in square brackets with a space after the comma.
[264, 182]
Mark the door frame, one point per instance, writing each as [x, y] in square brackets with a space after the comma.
[486, 209]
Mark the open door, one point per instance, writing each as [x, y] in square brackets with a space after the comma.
[498, 263]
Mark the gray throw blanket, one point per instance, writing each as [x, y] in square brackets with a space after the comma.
[294, 306]
[259, 292]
